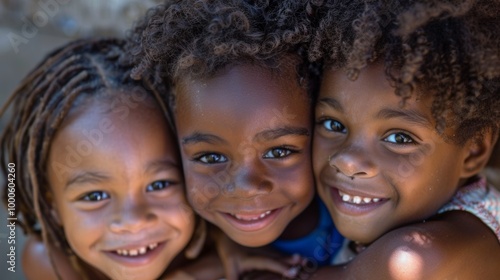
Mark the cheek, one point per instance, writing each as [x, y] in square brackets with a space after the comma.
[201, 190]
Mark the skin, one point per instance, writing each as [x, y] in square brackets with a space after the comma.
[245, 146]
[366, 145]
[108, 200]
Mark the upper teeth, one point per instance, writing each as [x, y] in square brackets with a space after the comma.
[357, 199]
[251, 218]
[138, 251]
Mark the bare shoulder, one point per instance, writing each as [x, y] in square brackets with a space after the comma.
[37, 265]
[455, 245]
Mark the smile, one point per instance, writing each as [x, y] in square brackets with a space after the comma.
[252, 221]
[251, 217]
[138, 251]
[354, 199]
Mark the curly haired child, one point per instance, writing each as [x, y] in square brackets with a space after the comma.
[407, 116]
[243, 113]
[99, 176]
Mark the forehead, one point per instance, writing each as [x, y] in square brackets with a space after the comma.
[242, 90]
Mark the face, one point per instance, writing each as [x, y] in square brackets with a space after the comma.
[245, 146]
[118, 189]
[379, 165]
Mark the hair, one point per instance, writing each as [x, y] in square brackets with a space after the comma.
[199, 38]
[447, 49]
[75, 72]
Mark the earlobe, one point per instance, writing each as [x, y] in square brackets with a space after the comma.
[55, 215]
[479, 150]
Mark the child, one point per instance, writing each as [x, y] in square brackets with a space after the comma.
[98, 170]
[243, 115]
[407, 116]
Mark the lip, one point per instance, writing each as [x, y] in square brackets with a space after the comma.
[139, 260]
[249, 225]
[356, 209]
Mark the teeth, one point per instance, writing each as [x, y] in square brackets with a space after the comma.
[252, 219]
[346, 197]
[357, 199]
[138, 251]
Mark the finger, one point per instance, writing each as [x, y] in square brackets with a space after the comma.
[294, 260]
[231, 270]
[266, 264]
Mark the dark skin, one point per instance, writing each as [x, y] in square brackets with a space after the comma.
[245, 143]
[362, 142]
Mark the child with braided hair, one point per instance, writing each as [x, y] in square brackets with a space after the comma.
[242, 106]
[407, 116]
[99, 177]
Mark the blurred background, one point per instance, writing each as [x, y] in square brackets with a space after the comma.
[29, 29]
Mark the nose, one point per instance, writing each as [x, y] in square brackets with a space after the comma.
[249, 180]
[132, 215]
[353, 162]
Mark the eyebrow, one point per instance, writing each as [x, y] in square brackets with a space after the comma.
[331, 102]
[200, 137]
[408, 115]
[86, 177]
[276, 133]
[159, 165]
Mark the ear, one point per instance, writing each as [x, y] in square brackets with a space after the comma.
[479, 150]
[55, 215]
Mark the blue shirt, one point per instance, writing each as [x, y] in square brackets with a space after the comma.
[320, 246]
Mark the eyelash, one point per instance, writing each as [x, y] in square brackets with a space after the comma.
[164, 185]
[101, 196]
[203, 158]
[404, 135]
[222, 158]
[97, 196]
[323, 123]
[288, 151]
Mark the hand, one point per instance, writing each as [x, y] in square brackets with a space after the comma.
[237, 259]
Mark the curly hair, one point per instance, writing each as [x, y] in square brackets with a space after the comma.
[199, 38]
[447, 49]
[69, 75]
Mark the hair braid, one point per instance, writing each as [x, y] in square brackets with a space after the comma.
[71, 74]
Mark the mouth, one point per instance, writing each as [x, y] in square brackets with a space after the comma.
[252, 221]
[355, 199]
[137, 256]
[355, 204]
[251, 217]
[137, 251]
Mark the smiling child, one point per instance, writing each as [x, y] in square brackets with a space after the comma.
[407, 117]
[102, 177]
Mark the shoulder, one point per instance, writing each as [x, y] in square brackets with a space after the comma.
[36, 257]
[454, 245]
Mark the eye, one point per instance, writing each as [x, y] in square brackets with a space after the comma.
[278, 153]
[333, 125]
[212, 158]
[158, 186]
[399, 138]
[95, 196]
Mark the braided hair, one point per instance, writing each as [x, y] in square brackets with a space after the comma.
[199, 38]
[77, 71]
[447, 49]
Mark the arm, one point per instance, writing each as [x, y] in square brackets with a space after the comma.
[37, 265]
[237, 259]
[456, 245]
